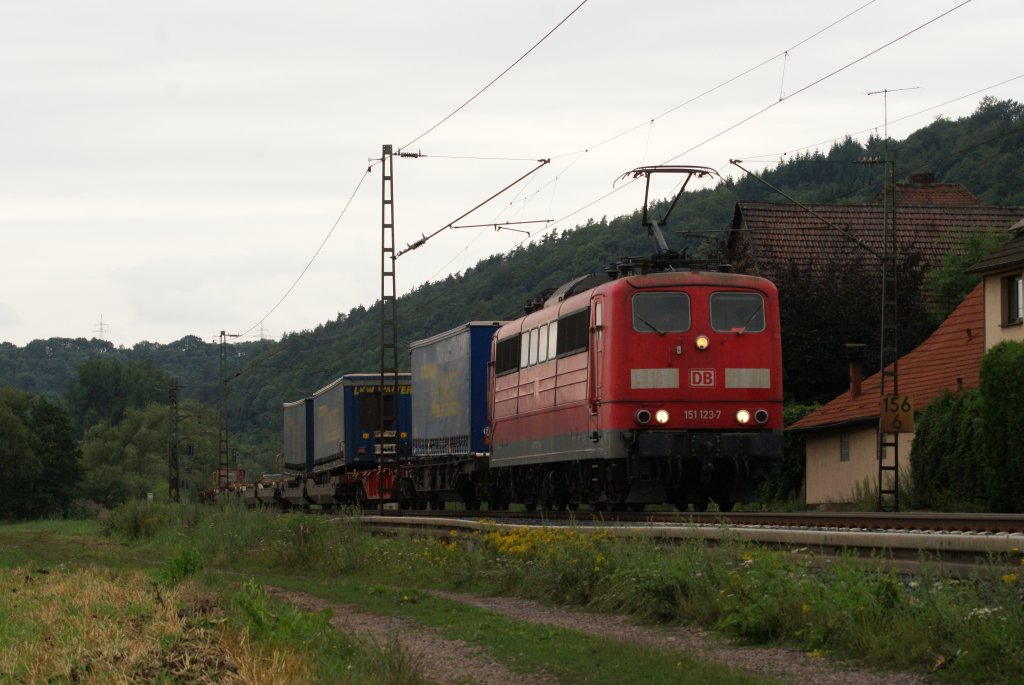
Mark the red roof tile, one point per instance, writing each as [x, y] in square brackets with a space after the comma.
[1009, 256]
[927, 192]
[949, 358]
[767, 237]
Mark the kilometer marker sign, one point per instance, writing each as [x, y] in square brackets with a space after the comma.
[897, 414]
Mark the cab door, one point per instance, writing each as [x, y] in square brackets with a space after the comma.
[596, 362]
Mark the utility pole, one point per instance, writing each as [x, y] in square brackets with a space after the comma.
[890, 420]
[173, 465]
[223, 449]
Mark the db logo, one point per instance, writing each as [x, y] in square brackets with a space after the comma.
[702, 378]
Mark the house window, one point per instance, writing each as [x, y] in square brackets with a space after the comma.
[1013, 312]
[844, 447]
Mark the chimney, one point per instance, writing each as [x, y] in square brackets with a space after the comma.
[855, 354]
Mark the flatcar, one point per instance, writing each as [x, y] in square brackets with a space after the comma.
[332, 443]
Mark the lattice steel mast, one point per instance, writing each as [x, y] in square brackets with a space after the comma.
[388, 315]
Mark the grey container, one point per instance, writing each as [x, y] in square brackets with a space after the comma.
[329, 421]
[296, 434]
[449, 391]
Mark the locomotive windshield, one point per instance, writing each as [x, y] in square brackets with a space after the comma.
[737, 312]
[661, 313]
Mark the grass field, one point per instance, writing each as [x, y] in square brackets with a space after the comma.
[162, 594]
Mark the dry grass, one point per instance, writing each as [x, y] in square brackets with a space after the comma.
[101, 626]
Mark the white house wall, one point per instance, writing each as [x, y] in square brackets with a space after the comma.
[832, 481]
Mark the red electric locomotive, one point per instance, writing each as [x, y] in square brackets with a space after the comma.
[660, 385]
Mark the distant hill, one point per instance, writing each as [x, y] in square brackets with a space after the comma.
[984, 151]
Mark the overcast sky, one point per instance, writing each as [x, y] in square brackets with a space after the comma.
[172, 167]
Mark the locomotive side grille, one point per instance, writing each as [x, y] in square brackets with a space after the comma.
[646, 379]
[748, 378]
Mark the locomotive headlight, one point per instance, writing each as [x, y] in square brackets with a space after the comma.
[702, 342]
[642, 416]
[661, 416]
[743, 416]
[761, 416]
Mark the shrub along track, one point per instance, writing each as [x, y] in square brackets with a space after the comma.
[456, 662]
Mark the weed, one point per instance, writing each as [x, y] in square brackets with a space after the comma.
[182, 565]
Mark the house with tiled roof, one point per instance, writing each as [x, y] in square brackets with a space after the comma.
[841, 437]
[1001, 274]
[923, 190]
[931, 219]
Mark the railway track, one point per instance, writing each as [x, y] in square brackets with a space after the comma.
[893, 521]
[955, 543]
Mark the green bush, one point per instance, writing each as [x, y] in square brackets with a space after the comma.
[1002, 411]
[137, 520]
[969, 448]
[950, 471]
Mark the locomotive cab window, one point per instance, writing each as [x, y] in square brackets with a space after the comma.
[661, 313]
[573, 332]
[737, 312]
[506, 356]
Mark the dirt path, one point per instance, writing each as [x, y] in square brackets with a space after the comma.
[456, 663]
[784, 664]
[450, 662]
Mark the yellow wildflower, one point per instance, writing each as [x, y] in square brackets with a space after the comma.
[1010, 578]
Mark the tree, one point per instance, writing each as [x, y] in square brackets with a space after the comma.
[106, 388]
[40, 460]
[129, 460]
[948, 284]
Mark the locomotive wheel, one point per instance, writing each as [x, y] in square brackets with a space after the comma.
[725, 505]
[700, 504]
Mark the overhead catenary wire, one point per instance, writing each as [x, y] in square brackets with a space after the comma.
[580, 153]
[717, 87]
[313, 258]
[769, 107]
[374, 162]
[495, 79]
[818, 81]
[756, 159]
